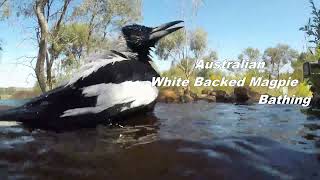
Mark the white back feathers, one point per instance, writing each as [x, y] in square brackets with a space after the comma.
[138, 93]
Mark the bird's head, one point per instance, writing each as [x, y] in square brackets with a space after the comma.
[140, 39]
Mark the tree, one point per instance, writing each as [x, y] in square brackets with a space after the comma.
[54, 50]
[184, 47]
[250, 54]
[90, 23]
[2, 14]
[0, 50]
[4, 11]
[105, 15]
[91, 20]
[171, 47]
[276, 57]
[49, 16]
[73, 41]
[2, 3]
[210, 57]
[42, 41]
[198, 42]
[197, 45]
[312, 29]
[183, 55]
[298, 64]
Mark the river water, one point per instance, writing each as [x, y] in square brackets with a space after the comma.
[12, 102]
[177, 141]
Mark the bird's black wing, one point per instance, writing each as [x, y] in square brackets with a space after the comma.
[118, 72]
[115, 84]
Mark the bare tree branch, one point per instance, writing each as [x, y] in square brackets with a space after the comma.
[2, 3]
[64, 10]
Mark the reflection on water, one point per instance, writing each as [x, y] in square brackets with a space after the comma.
[177, 141]
[203, 121]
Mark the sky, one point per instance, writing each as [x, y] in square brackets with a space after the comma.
[232, 25]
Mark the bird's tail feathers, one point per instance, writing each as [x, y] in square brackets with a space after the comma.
[20, 114]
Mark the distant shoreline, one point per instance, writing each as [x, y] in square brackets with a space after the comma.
[2, 107]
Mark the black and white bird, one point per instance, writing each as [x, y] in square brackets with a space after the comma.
[106, 89]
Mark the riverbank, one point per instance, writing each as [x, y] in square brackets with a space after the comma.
[2, 107]
[18, 93]
[167, 95]
[239, 95]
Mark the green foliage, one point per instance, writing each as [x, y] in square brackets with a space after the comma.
[312, 29]
[317, 54]
[7, 91]
[103, 15]
[36, 88]
[73, 28]
[298, 64]
[198, 42]
[250, 54]
[72, 42]
[114, 11]
[186, 63]
[217, 75]
[4, 9]
[210, 57]
[174, 71]
[302, 90]
[3, 14]
[277, 57]
[171, 45]
[178, 47]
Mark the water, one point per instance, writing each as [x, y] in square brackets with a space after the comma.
[177, 141]
[12, 102]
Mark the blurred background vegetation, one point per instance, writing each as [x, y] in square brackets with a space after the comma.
[67, 31]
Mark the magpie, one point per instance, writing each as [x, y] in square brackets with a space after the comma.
[106, 89]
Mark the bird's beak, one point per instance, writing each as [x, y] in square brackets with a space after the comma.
[163, 30]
